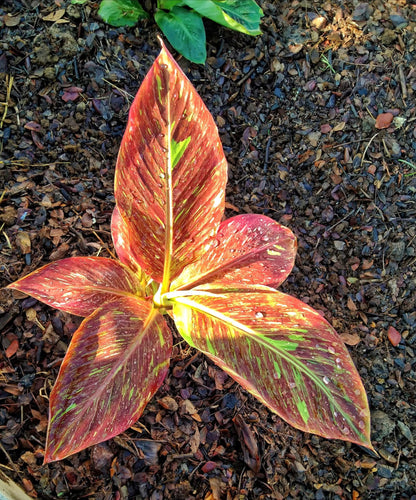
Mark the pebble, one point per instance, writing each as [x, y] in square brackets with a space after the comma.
[385, 471]
[398, 21]
[382, 424]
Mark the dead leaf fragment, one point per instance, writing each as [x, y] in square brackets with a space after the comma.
[11, 21]
[384, 120]
[33, 126]
[12, 349]
[350, 338]
[338, 127]
[168, 403]
[53, 17]
[71, 93]
[248, 443]
[23, 242]
[394, 336]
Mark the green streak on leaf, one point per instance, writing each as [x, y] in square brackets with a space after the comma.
[159, 89]
[178, 149]
[211, 348]
[277, 369]
[298, 377]
[284, 345]
[303, 410]
[295, 336]
[259, 364]
[70, 408]
[272, 252]
[131, 393]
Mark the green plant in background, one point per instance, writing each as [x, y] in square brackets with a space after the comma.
[181, 20]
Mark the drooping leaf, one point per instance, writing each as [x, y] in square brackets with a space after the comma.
[248, 250]
[185, 31]
[117, 360]
[171, 173]
[121, 12]
[238, 15]
[285, 354]
[78, 285]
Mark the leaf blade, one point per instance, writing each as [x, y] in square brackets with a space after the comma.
[79, 285]
[171, 213]
[281, 350]
[249, 249]
[185, 31]
[238, 15]
[107, 377]
[121, 12]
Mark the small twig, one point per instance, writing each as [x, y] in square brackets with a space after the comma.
[124, 92]
[266, 157]
[10, 460]
[246, 77]
[339, 222]
[366, 148]
[402, 82]
[9, 83]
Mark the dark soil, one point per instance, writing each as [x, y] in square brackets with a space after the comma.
[297, 113]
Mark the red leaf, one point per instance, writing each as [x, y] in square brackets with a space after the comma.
[79, 285]
[384, 120]
[117, 360]
[394, 336]
[171, 173]
[285, 354]
[248, 250]
[71, 93]
[12, 349]
[35, 127]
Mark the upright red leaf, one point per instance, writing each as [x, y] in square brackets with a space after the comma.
[117, 360]
[248, 250]
[78, 285]
[171, 173]
[285, 354]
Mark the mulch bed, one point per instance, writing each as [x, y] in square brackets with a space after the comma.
[318, 121]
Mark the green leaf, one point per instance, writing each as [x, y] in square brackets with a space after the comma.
[169, 4]
[79, 2]
[238, 15]
[121, 12]
[285, 354]
[79, 285]
[117, 360]
[185, 31]
[170, 176]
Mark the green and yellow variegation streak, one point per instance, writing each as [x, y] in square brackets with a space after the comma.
[284, 353]
[116, 361]
[171, 174]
